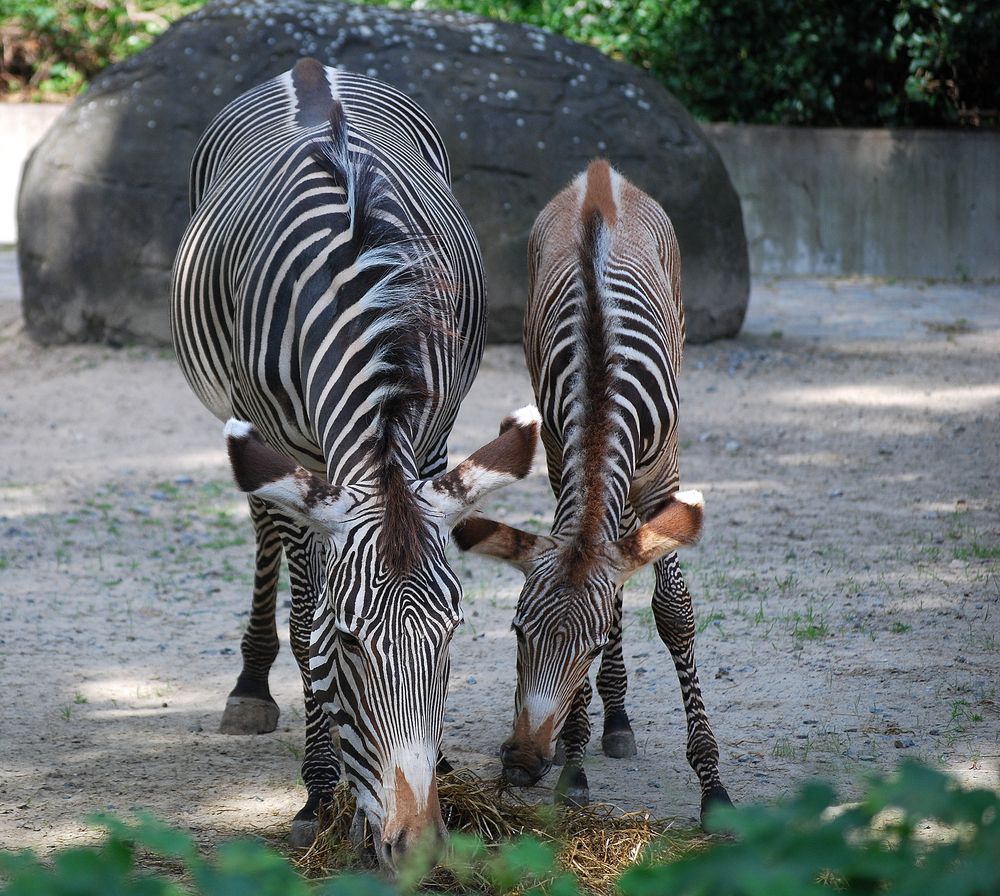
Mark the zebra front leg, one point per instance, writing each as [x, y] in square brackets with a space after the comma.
[617, 741]
[572, 788]
[250, 708]
[320, 763]
[674, 616]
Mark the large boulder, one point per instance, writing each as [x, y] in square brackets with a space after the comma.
[103, 200]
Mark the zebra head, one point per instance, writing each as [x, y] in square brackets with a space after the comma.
[379, 653]
[565, 613]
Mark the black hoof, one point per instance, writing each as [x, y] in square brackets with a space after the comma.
[572, 789]
[619, 744]
[249, 715]
[303, 833]
[713, 798]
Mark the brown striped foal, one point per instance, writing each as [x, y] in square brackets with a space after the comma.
[603, 336]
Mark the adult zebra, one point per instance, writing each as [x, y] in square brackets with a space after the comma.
[328, 293]
[603, 336]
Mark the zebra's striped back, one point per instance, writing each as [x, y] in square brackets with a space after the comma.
[257, 271]
[603, 337]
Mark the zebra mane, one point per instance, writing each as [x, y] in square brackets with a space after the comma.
[594, 388]
[399, 283]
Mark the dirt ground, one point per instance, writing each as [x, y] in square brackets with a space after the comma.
[847, 588]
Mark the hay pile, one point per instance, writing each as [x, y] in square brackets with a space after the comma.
[595, 843]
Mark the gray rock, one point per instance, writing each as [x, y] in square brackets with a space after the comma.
[103, 200]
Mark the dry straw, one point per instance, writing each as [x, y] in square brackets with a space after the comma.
[596, 843]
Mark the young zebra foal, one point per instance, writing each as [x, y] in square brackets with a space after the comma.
[603, 335]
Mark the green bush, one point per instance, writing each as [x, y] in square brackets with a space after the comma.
[803, 847]
[57, 46]
[816, 62]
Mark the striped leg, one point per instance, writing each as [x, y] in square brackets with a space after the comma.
[320, 764]
[573, 787]
[250, 709]
[617, 741]
[674, 616]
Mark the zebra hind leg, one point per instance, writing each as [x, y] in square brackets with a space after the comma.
[617, 741]
[250, 708]
[572, 788]
[674, 616]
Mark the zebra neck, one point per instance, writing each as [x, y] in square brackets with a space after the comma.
[593, 493]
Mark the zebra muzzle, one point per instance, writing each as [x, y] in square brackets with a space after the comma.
[523, 767]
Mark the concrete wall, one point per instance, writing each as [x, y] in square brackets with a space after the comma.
[893, 203]
[21, 127]
[822, 201]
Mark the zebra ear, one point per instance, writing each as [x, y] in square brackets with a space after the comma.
[493, 539]
[503, 461]
[678, 524]
[260, 470]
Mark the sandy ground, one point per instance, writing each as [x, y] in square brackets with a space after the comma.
[847, 588]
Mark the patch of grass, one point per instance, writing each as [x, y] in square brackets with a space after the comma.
[783, 749]
[900, 628]
[963, 715]
[809, 627]
[714, 616]
[977, 551]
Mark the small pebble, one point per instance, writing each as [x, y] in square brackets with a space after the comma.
[183, 480]
[834, 493]
[903, 743]
[732, 446]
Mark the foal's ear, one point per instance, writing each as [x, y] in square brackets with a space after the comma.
[503, 461]
[503, 542]
[260, 470]
[678, 524]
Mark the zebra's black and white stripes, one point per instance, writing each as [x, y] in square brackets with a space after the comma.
[603, 337]
[329, 294]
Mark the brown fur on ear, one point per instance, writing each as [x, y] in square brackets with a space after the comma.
[679, 520]
[470, 532]
[254, 462]
[514, 449]
[493, 539]
[677, 525]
